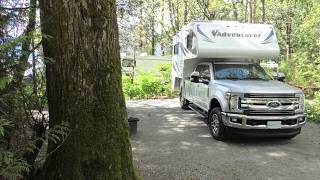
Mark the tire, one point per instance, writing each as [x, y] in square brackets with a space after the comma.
[184, 103]
[217, 129]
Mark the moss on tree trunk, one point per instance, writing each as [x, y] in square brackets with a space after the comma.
[84, 88]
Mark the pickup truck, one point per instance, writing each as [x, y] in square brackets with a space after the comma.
[240, 97]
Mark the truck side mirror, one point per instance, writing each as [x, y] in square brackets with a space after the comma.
[278, 76]
[281, 77]
[194, 77]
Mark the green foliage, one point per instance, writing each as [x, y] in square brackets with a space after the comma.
[4, 81]
[149, 85]
[131, 90]
[313, 108]
[16, 116]
[304, 66]
[12, 167]
[4, 124]
[268, 70]
[59, 132]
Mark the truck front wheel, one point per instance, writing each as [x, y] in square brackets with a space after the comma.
[217, 129]
[184, 103]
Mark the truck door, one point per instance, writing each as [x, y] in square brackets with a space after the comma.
[200, 90]
[194, 87]
[203, 86]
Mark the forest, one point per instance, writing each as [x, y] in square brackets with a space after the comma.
[37, 71]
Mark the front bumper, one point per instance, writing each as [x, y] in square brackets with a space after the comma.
[260, 122]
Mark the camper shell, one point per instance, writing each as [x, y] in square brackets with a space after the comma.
[204, 49]
[221, 40]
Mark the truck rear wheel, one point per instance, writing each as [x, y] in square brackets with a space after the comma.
[184, 103]
[217, 129]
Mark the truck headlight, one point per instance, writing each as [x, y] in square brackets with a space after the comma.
[234, 100]
[301, 103]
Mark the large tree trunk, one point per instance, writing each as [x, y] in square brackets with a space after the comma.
[83, 74]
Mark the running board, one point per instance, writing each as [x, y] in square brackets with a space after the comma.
[197, 110]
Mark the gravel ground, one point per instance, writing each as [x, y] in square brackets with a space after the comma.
[175, 144]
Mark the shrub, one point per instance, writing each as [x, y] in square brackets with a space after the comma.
[313, 108]
[149, 85]
[11, 166]
[134, 91]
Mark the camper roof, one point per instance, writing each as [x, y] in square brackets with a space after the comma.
[228, 39]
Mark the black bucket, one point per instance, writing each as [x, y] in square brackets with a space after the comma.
[133, 125]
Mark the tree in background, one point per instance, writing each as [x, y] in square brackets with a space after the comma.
[21, 133]
[288, 17]
[83, 74]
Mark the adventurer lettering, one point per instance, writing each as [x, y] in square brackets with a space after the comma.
[217, 33]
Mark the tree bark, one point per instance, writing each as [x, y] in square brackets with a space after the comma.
[34, 69]
[254, 11]
[235, 11]
[250, 12]
[288, 40]
[172, 16]
[185, 15]
[84, 89]
[177, 16]
[246, 11]
[263, 11]
[153, 36]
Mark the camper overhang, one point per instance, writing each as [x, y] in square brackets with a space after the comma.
[229, 39]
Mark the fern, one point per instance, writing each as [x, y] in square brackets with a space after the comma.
[58, 132]
[12, 167]
[4, 124]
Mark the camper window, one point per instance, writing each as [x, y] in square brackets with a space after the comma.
[176, 49]
[189, 40]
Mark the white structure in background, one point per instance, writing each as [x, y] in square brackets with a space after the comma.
[272, 64]
[122, 3]
[220, 39]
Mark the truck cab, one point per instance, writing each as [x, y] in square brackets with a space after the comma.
[241, 97]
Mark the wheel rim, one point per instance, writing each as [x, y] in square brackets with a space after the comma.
[215, 124]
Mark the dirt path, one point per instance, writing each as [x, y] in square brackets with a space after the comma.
[176, 144]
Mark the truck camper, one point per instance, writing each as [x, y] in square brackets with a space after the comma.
[216, 70]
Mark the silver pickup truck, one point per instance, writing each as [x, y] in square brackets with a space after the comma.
[240, 97]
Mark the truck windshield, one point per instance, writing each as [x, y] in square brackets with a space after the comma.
[240, 72]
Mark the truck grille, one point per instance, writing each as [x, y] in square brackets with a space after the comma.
[253, 95]
[267, 113]
[259, 104]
